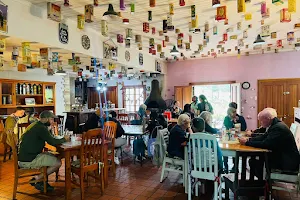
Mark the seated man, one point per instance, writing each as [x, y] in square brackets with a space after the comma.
[31, 148]
[177, 138]
[94, 121]
[233, 118]
[199, 126]
[119, 142]
[279, 139]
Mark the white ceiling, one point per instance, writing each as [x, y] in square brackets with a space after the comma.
[206, 14]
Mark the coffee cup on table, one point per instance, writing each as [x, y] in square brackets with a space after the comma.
[237, 127]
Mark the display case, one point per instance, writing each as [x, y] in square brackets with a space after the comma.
[24, 93]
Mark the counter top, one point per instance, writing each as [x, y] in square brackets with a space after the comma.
[92, 111]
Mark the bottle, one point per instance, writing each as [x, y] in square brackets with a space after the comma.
[28, 88]
[34, 89]
[24, 88]
[40, 89]
[20, 88]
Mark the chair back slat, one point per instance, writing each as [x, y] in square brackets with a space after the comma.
[202, 150]
[110, 130]
[123, 119]
[21, 130]
[92, 147]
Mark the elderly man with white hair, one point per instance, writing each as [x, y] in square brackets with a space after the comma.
[177, 139]
[279, 139]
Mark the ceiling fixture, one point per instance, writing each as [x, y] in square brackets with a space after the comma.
[258, 40]
[110, 13]
[125, 21]
[174, 52]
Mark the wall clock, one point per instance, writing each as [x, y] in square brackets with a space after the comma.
[246, 85]
[85, 41]
[127, 56]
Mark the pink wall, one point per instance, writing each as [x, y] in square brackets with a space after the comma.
[247, 68]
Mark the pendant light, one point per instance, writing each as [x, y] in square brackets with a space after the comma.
[110, 13]
[174, 52]
[258, 40]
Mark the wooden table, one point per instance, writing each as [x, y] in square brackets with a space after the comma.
[70, 149]
[133, 130]
[173, 120]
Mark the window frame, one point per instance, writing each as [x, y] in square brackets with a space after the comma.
[133, 87]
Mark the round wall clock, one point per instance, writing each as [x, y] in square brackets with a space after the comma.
[86, 43]
[246, 85]
[127, 56]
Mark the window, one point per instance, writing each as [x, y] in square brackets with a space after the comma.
[133, 97]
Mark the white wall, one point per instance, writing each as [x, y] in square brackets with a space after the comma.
[39, 75]
[29, 22]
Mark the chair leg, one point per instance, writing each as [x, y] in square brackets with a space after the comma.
[15, 185]
[216, 191]
[226, 191]
[113, 164]
[5, 153]
[189, 188]
[102, 181]
[163, 171]
[56, 175]
[45, 179]
[82, 185]
[10, 153]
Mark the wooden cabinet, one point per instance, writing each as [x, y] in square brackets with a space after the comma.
[23, 93]
[183, 94]
[111, 95]
[282, 95]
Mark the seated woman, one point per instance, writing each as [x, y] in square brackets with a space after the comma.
[175, 109]
[142, 113]
[233, 118]
[207, 117]
[199, 126]
[188, 110]
[155, 121]
[94, 121]
[177, 139]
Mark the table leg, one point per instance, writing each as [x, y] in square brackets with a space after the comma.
[68, 175]
[106, 165]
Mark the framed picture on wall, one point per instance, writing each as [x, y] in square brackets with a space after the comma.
[3, 18]
[157, 66]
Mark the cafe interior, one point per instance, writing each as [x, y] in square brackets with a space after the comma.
[136, 99]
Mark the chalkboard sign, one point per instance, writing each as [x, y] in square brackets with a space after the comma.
[63, 33]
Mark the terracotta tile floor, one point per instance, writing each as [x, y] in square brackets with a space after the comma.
[131, 182]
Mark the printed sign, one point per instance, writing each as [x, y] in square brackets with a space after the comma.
[63, 33]
[141, 59]
[3, 18]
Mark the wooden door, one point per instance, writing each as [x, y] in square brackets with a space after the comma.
[281, 94]
[292, 96]
[270, 94]
[183, 94]
[111, 95]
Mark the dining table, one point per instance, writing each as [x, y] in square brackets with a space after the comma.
[70, 149]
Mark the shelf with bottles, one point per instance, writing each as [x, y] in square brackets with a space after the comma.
[29, 89]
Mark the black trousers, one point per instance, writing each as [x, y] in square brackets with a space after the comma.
[257, 166]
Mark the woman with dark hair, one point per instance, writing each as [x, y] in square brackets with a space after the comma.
[188, 110]
[204, 105]
[175, 109]
[194, 104]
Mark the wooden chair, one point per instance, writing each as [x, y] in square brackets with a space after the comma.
[91, 158]
[123, 119]
[110, 129]
[7, 149]
[23, 173]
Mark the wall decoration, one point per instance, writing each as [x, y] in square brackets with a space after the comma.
[45, 53]
[80, 22]
[152, 3]
[159, 48]
[66, 3]
[239, 26]
[225, 37]
[138, 38]
[193, 11]
[89, 13]
[53, 12]
[151, 42]
[127, 43]
[277, 2]
[248, 16]
[164, 43]
[171, 8]
[241, 7]
[161, 33]
[146, 27]
[127, 56]
[110, 52]
[132, 8]
[104, 28]
[179, 43]
[85, 41]
[216, 3]
[188, 46]
[96, 2]
[265, 31]
[162, 55]
[292, 6]
[233, 37]
[157, 66]
[120, 38]
[122, 5]
[2, 45]
[206, 27]
[273, 35]
[195, 22]
[3, 19]
[153, 31]
[190, 38]
[55, 57]
[279, 43]
[240, 42]
[285, 16]
[149, 15]
[63, 33]
[296, 26]
[290, 36]
[129, 34]
[140, 46]
[245, 34]
[141, 59]
[153, 51]
[169, 23]
[167, 39]
[221, 13]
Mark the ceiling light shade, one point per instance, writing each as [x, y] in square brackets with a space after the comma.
[258, 40]
[216, 3]
[125, 21]
[174, 52]
[110, 13]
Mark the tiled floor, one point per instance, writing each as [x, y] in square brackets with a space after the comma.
[131, 182]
